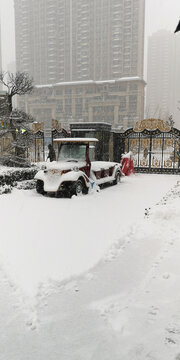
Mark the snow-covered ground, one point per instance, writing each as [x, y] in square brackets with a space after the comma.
[95, 277]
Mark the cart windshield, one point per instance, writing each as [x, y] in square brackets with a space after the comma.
[72, 152]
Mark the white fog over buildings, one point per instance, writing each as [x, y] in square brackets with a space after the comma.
[0, 57]
[67, 41]
[163, 73]
[11, 67]
[0, 51]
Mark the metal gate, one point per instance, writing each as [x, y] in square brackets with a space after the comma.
[155, 146]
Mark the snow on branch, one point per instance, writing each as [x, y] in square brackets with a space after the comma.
[19, 83]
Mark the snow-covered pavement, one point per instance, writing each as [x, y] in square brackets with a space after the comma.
[95, 277]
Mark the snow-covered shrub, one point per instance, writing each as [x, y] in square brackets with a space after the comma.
[22, 178]
[26, 185]
[6, 189]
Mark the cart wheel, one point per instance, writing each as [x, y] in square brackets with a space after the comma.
[40, 187]
[117, 179]
[78, 188]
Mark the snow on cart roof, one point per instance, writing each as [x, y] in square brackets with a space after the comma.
[84, 140]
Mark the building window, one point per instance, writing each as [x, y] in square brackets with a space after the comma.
[68, 91]
[122, 105]
[78, 90]
[133, 103]
[59, 92]
[133, 87]
[78, 106]
[68, 106]
[123, 87]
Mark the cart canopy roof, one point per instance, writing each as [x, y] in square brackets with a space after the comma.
[83, 140]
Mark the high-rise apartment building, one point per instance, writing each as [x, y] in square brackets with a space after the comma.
[0, 57]
[72, 40]
[163, 71]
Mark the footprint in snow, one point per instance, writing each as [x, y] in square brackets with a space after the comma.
[165, 251]
[169, 340]
[152, 313]
[173, 330]
[155, 264]
[166, 276]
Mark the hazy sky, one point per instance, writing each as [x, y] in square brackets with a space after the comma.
[159, 14]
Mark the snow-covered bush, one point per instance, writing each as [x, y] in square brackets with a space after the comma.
[5, 189]
[12, 176]
[22, 178]
[26, 185]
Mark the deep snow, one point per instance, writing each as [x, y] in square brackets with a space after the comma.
[57, 238]
[95, 277]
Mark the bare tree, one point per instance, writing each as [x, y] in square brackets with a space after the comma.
[19, 83]
[17, 121]
[171, 121]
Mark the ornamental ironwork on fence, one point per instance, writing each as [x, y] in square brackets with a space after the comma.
[38, 152]
[155, 146]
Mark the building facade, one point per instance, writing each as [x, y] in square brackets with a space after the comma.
[86, 57]
[1, 87]
[163, 86]
[78, 40]
[117, 102]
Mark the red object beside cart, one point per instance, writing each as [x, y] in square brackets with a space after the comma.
[127, 164]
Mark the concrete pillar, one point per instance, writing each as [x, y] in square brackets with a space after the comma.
[116, 115]
[90, 114]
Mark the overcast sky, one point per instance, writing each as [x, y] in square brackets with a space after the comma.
[159, 14]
